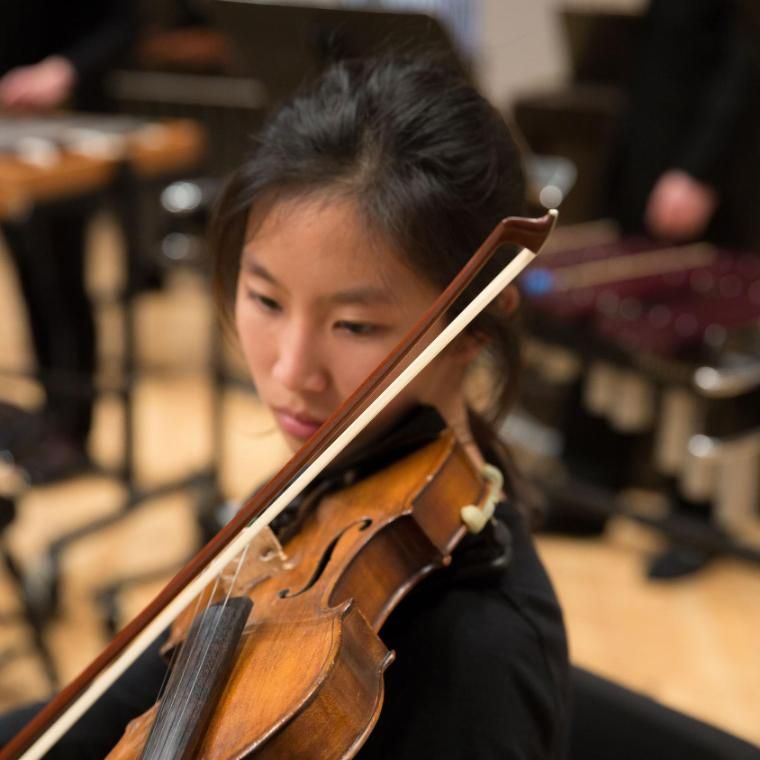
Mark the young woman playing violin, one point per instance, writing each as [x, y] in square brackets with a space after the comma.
[364, 196]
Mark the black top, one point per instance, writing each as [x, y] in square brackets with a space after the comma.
[694, 107]
[91, 34]
[481, 666]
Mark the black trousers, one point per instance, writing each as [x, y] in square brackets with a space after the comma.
[608, 721]
[48, 250]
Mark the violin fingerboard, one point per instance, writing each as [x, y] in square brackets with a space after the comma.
[204, 663]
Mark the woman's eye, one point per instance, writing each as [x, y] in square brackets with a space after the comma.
[265, 302]
[357, 328]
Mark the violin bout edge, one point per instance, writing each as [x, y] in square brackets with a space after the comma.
[342, 709]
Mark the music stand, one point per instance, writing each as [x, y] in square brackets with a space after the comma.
[285, 45]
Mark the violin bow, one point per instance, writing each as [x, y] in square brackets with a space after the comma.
[356, 412]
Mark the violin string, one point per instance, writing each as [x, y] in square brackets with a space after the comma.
[173, 697]
[175, 649]
[196, 656]
[199, 658]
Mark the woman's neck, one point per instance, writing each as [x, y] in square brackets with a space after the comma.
[457, 419]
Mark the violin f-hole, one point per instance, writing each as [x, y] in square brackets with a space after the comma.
[324, 560]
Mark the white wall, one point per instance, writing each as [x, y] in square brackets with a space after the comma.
[522, 45]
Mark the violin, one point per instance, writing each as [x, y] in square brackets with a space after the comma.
[376, 540]
[294, 663]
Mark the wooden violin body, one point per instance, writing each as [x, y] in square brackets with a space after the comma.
[308, 678]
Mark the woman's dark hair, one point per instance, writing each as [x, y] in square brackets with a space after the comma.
[427, 161]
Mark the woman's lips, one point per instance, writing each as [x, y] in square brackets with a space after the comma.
[297, 425]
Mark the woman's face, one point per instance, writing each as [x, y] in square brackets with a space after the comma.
[319, 304]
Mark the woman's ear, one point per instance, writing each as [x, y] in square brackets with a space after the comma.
[508, 300]
[468, 345]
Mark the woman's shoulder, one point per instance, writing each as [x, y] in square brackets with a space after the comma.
[500, 611]
[481, 666]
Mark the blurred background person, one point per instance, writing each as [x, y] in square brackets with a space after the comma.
[54, 55]
[688, 135]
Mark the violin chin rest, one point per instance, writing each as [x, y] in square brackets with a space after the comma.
[475, 518]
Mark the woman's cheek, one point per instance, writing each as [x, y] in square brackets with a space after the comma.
[253, 338]
[357, 363]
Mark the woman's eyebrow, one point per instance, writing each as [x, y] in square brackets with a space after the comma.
[364, 295]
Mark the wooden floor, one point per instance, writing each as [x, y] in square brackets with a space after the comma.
[694, 644]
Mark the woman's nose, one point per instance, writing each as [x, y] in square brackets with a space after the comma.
[299, 366]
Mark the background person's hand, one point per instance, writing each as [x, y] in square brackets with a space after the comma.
[679, 206]
[46, 84]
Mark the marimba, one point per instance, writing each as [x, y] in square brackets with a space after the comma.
[668, 339]
[52, 158]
